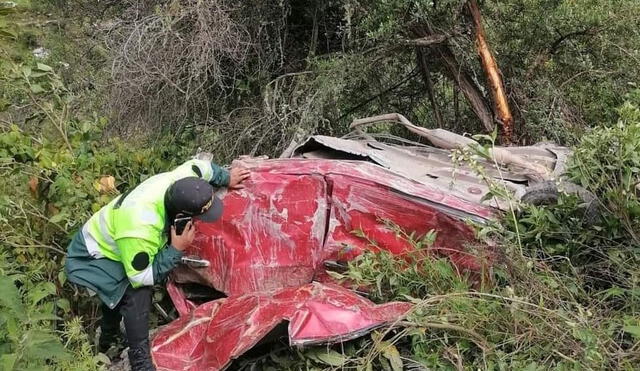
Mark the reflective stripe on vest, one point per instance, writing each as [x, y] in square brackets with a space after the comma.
[105, 233]
[93, 246]
[144, 278]
[91, 243]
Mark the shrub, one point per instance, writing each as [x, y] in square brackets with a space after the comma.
[55, 174]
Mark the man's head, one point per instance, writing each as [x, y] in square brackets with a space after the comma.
[193, 197]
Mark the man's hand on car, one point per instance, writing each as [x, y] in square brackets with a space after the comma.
[237, 175]
[184, 240]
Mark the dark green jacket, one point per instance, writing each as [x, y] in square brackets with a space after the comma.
[107, 277]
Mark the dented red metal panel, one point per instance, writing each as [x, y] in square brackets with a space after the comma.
[271, 244]
[216, 332]
[364, 205]
[268, 237]
[369, 172]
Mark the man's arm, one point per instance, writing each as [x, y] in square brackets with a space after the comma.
[207, 170]
[220, 177]
[216, 175]
[232, 179]
[144, 263]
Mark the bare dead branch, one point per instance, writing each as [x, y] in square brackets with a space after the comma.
[169, 64]
[426, 76]
[427, 40]
[494, 78]
[461, 77]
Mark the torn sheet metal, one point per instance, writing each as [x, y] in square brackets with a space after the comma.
[267, 253]
[215, 333]
[435, 167]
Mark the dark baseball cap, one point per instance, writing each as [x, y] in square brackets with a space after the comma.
[193, 197]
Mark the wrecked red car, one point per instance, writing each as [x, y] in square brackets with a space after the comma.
[268, 254]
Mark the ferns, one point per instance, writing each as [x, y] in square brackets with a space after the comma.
[26, 338]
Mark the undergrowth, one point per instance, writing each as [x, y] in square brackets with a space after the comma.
[55, 176]
[562, 294]
[56, 168]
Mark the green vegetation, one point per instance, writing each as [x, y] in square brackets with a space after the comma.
[87, 111]
[50, 187]
[55, 161]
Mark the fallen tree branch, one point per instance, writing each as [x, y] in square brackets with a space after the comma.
[427, 40]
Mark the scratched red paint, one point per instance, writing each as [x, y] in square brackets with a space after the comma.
[215, 332]
[267, 254]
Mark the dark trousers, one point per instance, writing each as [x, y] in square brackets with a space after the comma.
[134, 308]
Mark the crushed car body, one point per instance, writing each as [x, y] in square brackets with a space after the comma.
[300, 215]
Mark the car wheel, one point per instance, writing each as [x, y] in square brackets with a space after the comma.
[541, 194]
[547, 193]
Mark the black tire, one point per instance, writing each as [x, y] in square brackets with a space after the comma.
[541, 194]
[547, 193]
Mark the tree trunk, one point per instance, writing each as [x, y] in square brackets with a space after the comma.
[468, 88]
[465, 83]
[456, 104]
[494, 78]
[424, 71]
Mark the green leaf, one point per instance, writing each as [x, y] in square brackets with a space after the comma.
[43, 317]
[615, 291]
[43, 67]
[412, 299]
[335, 275]
[384, 363]
[358, 233]
[13, 328]
[26, 71]
[8, 361]
[42, 345]
[633, 330]
[4, 105]
[390, 352]
[430, 238]
[487, 196]
[62, 277]
[39, 74]
[331, 358]
[41, 291]
[8, 34]
[57, 218]
[101, 358]
[9, 295]
[37, 89]
[533, 366]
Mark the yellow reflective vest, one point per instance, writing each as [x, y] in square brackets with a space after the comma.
[132, 223]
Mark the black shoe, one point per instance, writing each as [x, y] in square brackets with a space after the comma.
[140, 358]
